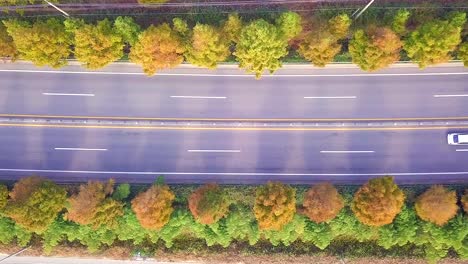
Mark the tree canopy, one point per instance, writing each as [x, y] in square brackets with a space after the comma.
[7, 47]
[260, 47]
[275, 205]
[232, 27]
[437, 205]
[289, 24]
[463, 53]
[3, 196]
[158, 48]
[339, 26]
[98, 45]
[464, 201]
[378, 202]
[127, 29]
[208, 204]
[322, 203]
[45, 42]
[399, 21]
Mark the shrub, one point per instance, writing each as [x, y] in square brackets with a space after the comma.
[463, 53]
[208, 204]
[339, 26]
[464, 201]
[7, 47]
[98, 45]
[437, 205]
[93, 206]
[180, 26]
[322, 203]
[375, 48]
[158, 48]
[3, 196]
[45, 42]
[289, 24]
[275, 205]
[260, 47]
[34, 203]
[232, 27]
[121, 192]
[153, 208]
[378, 202]
[400, 20]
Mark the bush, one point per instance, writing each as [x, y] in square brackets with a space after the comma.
[208, 204]
[232, 27]
[158, 48]
[153, 208]
[35, 203]
[322, 203]
[275, 205]
[437, 205]
[375, 48]
[339, 26]
[378, 202]
[464, 201]
[289, 24]
[3, 196]
[7, 47]
[400, 20]
[121, 192]
[463, 53]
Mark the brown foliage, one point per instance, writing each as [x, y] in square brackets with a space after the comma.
[378, 202]
[24, 187]
[437, 205]
[208, 204]
[322, 203]
[275, 205]
[464, 201]
[153, 207]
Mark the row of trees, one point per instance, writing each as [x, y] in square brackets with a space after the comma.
[378, 208]
[257, 45]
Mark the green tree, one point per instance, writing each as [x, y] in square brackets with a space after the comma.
[127, 29]
[98, 45]
[3, 196]
[35, 203]
[7, 47]
[121, 192]
[275, 205]
[319, 48]
[432, 42]
[437, 205]
[180, 26]
[378, 202]
[463, 53]
[158, 48]
[289, 24]
[339, 26]
[260, 47]
[375, 48]
[209, 204]
[207, 47]
[232, 27]
[400, 20]
[322, 203]
[43, 43]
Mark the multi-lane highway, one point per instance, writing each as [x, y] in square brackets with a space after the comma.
[188, 154]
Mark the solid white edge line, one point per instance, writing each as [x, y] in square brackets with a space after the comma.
[461, 150]
[84, 149]
[198, 97]
[347, 151]
[245, 75]
[240, 173]
[330, 97]
[450, 95]
[67, 94]
[215, 150]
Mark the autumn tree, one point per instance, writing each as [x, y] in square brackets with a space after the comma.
[153, 208]
[289, 24]
[463, 53]
[7, 47]
[275, 205]
[45, 42]
[208, 204]
[158, 48]
[232, 27]
[260, 47]
[378, 202]
[437, 205]
[375, 48]
[464, 201]
[127, 29]
[432, 42]
[339, 26]
[34, 203]
[207, 46]
[322, 203]
[92, 205]
[3, 196]
[399, 21]
[319, 48]
[98, 45]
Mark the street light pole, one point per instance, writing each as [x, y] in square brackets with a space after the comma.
[364, 9]
[54, 6]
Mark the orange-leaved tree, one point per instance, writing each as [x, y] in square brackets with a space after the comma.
[378, 202]
[92, 205]
[322, 203]
[209, 203]
[437, 205]
[153, 208]
[275, 205]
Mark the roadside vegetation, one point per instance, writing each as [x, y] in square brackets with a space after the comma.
[97, 215]
[259, 45]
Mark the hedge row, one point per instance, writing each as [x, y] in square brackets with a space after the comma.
[257, 45]
[96, 214]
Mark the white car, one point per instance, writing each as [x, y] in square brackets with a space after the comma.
[457, 139]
